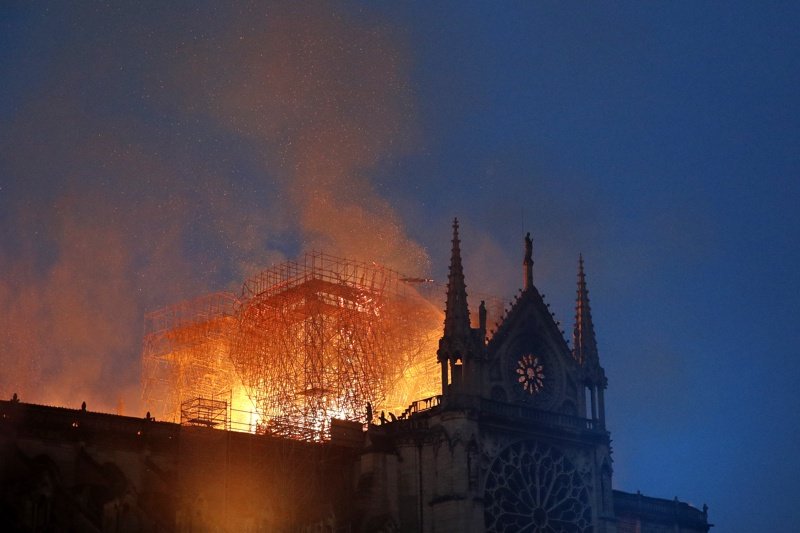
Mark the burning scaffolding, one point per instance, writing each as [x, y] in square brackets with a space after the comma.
[186, 353]
[306, 341]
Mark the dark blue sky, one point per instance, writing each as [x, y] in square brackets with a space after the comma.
[151, 154]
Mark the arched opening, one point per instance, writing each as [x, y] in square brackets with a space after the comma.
[589, 402]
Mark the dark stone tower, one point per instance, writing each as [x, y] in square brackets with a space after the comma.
[461, 347]
[507, 446]
[584, 350]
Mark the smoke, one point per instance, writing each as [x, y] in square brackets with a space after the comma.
[327, 99]
[83, 269]
[156, 155]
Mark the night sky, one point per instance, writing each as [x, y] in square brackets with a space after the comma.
[150, 154]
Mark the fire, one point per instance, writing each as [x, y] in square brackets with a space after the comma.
[305, 342]
[243, 414]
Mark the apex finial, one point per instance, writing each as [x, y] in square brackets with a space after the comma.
[456, 241]
[527, 263]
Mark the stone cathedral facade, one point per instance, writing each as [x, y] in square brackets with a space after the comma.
[517, 441]
[508, 448]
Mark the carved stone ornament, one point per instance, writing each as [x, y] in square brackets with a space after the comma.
[534, 487]
[530, 374]
[537, 379]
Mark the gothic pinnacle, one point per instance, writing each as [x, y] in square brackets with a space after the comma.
[456, 322]
[583, 339]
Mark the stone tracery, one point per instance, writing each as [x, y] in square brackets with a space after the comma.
[534, 487]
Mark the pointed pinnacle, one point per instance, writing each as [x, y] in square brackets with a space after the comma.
[584, 342]
[456, 322]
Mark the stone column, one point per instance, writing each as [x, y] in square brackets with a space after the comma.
[601, 405]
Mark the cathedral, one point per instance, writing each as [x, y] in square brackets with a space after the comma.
[515, 441]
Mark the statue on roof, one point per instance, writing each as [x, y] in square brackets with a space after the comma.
[528, 248]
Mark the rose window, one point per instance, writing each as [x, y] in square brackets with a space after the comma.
[535, 488]
[530, 374]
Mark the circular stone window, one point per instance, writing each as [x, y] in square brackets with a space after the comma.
[534, 487]
[530, 374]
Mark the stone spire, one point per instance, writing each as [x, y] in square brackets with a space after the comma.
[459, 351]
[527, 264]
[456, 318]
[584, 344]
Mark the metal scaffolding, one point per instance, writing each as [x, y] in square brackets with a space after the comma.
[186, 354]
[321, 337]
[306, 341]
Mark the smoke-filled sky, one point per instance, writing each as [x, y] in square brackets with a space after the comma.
[151, 153]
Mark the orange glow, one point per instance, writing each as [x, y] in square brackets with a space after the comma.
[306, 342]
